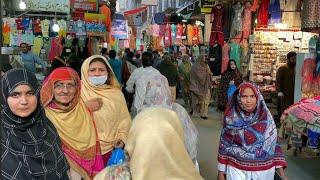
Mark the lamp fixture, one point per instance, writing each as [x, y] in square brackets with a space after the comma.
[22, 5]
[55, 27]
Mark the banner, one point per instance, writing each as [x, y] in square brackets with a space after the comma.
[136, 17]
[149, 2]
[95, 24]
[119, 29]
[61, 6]
[206, 6]
[84, 5]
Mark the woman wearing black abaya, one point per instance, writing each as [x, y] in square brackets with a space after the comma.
[31, 148]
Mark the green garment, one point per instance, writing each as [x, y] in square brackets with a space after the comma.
[235, 53]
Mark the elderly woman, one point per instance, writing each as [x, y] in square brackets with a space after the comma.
[60, 94]
[184, 72]
[200, 87]
[31, 148]
[112, 119]
[248, 144]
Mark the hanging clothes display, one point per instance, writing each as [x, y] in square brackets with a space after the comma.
[195, 35]
[225, 57]
[227, 19]
[56, 48]
[236, 25]
[207, 28]
[235, 52]
[184, 34]
[217, 35]
[167, 36]
[290, 14]
[275, 12]
[247, 18]
[179, 34]
[45, 24]
[189, 34]
[201, 41]
[215, 54]
[310, 16]
[263, 13]
[173, 33]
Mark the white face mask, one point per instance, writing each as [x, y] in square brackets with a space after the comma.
[98, 80]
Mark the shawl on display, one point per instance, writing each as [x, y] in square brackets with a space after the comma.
[113, 119]
[249, 139]
[31, 148]
[73, 123]
[152, 154]
[200, 79]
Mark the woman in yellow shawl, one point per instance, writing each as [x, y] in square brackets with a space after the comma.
[60, 95]
[156, 150]
[112, 119]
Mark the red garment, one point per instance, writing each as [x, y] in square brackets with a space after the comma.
[225, 57]
[168, 37]
[195, 35]
[107, 13]
[247, 18]
[36, 24]
[56, 48]
[179, 34]
[263, 15]
[19, 24]
[217, 35]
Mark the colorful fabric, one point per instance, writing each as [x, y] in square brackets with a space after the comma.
[31, 148]
[152, 155]
[121, 171]
[263, 13]
[74, 123]
[113, 119]
[275, 12]
[249, 139]
[236, 25]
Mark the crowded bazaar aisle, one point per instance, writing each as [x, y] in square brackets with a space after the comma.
[303, 167]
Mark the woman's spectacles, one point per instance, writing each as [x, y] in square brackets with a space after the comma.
[62, 86]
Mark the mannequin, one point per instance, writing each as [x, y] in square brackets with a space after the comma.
[217, 35]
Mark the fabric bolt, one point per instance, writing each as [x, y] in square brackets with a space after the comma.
[225, 57]
[248, 140]
[113, 119]
[153, 125]
[74, 124]
[217, 35]
[310, 16]
[31, 148]
[215, 55]
[275, 12]
[263, 13]
[152, 90]
[236, 25]
[235, 52]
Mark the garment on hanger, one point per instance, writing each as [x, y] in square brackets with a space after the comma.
[195, 35]
[225, 57]
[173, 33]
[36, 25]
[217, 35]
[28, 37]
[227, 19]
[155, 30]
[247, 18]
[235, 52]
[6, 31]
[201, 41]
[236, 25]
[26, 23]
[207, 28]
[290, 15]
[189, 34]
[56, 48]
[179, 35]
[168, 37]
[263, 13]
[37, 45]
[63, 28]
[215, 55]
[275, 12]
[310, 16]
[45, 25]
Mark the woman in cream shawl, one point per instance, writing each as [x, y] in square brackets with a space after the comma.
[60, 95]
[156, 149]
[112, 119]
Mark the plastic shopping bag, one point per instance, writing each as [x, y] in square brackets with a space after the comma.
[117, 157]
[232, 88]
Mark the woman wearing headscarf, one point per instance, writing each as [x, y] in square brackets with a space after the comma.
[113, 119]
[184, 72]
[248, 144]
[31, 148]
[4, 67]
[231, 76]
[57, 62]
[60, 95]
[152, 154]
[200, 87]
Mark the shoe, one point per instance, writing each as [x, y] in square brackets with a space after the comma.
[191, 112]
[203, 117]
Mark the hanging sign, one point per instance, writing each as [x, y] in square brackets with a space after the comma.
[206, 6]
[61, 6]
[84, 5]
[136, 17]
[119, 29]
[95, 24]
[149, 2]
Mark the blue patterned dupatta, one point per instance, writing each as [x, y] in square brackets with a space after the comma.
[249, 139]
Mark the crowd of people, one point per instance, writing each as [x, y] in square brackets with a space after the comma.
[67, 126]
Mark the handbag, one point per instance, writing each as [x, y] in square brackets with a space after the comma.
[232, 88]
[117, 157]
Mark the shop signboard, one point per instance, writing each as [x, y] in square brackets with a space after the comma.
[136, 17]
[84, 5]
[95, 25]
[119, 29]
[61, 6]
[149, 2]
[206, 6]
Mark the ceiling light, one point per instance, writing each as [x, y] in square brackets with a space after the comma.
[55, 27]
[22, 5]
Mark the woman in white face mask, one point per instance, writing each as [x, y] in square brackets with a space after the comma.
[112, 119]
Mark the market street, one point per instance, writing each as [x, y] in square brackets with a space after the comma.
[305, 166]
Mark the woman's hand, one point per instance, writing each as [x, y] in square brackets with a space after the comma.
[221, 175]
[280, 171]
[119, 144]
[94, 104]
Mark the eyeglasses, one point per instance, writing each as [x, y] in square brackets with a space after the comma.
[62, 86]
